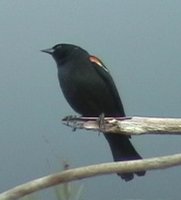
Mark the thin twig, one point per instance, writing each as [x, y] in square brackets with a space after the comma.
[90, 171]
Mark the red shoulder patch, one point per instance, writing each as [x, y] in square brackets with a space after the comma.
[96, 60]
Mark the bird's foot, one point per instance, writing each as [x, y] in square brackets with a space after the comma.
[101, 122]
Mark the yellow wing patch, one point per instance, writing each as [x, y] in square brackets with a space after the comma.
[96, 60]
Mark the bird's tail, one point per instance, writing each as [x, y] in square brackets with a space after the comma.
[123, 150]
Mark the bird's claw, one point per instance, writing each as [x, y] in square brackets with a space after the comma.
[101, 122]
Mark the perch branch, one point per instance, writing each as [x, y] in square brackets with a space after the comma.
[90, 171]
[127, 125]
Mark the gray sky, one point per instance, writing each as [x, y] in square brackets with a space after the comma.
[139, 41]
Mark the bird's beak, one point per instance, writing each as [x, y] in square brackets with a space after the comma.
[49, 51]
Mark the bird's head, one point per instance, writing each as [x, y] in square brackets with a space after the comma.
[61, 51]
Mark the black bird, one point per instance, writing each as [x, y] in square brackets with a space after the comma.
[90, 90]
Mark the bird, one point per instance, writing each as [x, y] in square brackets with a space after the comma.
[89, 88]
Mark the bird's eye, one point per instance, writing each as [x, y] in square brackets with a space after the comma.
[76, 48]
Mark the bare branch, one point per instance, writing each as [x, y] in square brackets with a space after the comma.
[90, 171]
[127, 125]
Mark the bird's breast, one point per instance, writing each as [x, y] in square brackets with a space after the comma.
[86, 91]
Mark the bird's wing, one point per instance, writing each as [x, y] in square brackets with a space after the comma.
[105, 75]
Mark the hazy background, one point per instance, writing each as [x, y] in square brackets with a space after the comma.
[139, 41]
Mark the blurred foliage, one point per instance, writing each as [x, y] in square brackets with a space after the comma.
[68, 191]
[65, 191]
